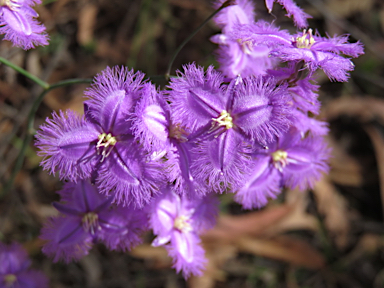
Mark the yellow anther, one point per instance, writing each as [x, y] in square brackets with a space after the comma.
[306, 40]
[101, 137]
[110, 139]
[280, 159]
[279, 155]
[11, 4]
[90, 222]
[225, 119]
[246, 46]
[178, 132]
[9, 279]
[105, 144]
[181, 224]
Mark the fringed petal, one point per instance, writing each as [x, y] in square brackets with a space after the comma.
[68, 145]
[187, 254]
[112, 96]
[196, 96]
[20, 27]
[66, 238]
[128, 176]
[260, 186]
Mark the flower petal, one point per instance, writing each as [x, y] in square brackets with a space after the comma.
[68, 145]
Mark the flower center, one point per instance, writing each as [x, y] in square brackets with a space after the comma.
[280, 159]
[11, 4]
[178, 132]
[246, 46]
[181, 223]
[306, 40]
[9, 279]
[90, 222]
[225, 119]
[105, 145]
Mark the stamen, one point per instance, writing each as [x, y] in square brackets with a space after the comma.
[90, 222]
[178, 132]
[246, 46]
[305, 41]
[280, 159]
[181, 224]
[107, 142]
[225, 119]
[11, 4]
[9, 279]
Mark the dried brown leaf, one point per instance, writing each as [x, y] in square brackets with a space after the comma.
[298, 218]
[346, 170]
[33, 63]
[253, 223]
[294, 251]
[378, 143]
[334, 208]
[245, 233]
[366, 108]
[367, 244]
[92, 268]
[86, 23]
[156, 256]
[217, 254]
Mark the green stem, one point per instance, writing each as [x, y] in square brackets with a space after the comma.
[225, 4]
[30, 129]
[38, 81]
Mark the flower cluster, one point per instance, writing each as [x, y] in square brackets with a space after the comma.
[14, 269]
[141, 158]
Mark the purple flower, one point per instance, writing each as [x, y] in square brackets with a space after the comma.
[260, 33]
[320, 52]
[240, 13]
[14, 269]
[241, 58]
[100, 144]
[18, 24]
[299, 16]
[245, 50]
[315, 51]
[305, 124]
[154, 129]
[303, 92]
[302, 88]
[225, 119]
[150, 120]
[254, 108]
[177, 222]
[88, 217]
[237, 57]
[288, 161]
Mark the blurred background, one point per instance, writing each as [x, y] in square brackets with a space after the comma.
[331, 236]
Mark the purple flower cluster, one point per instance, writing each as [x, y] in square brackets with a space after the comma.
[143, 159]
[101, 144]
[18, 24]
[14, 269]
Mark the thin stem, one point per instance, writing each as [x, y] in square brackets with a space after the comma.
[30, 129]
[224, 5]
[38, 81]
